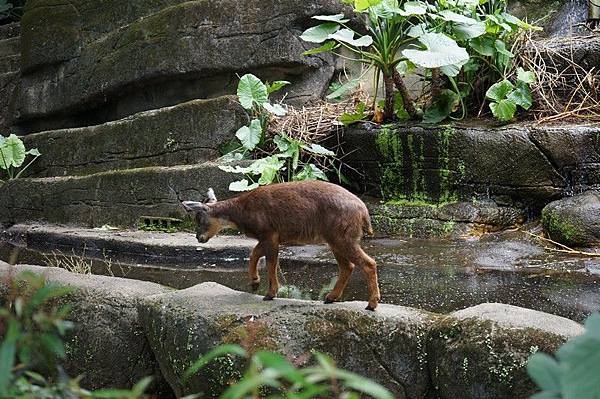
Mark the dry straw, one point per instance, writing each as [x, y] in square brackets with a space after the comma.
[565, 90]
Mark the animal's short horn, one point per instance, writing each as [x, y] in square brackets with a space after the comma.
[211, 196]
[194, 206]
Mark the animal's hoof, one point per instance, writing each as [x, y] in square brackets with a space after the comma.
[328, 301]
[370, 308]
[268, 298]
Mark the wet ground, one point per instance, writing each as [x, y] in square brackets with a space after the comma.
[436, 275]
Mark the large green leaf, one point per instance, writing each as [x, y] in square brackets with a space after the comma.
[251, 91]
[484, 45]
[504, 110]
[275, 109]
[524, 76]
[347, 36]
[276, 86]
[250, 136]
[12, 152]
[545, 371]
[440, 51]
[339, 18]
[500, 90]
[414, 8]
[446, 104]
[343, 89]
[328, 46]
[521, 96]
[362, 5]
[242, 185]
[320, 33]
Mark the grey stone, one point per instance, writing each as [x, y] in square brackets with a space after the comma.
[184, 134]
[574, 220]
[481, 352]
[386, 345]
[118, 198]
[446, 164]
[10, 30]
[8, 82]
[165, 56]
[107, 346]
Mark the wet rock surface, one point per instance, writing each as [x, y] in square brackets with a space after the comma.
[107, 346]
[435, 275]
[575, 220]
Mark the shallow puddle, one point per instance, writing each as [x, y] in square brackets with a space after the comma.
[436, 275]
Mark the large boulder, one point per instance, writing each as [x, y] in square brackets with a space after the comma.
[108, 336]
[480, 352]
[574, 220]
[80, 69]
[387, 346]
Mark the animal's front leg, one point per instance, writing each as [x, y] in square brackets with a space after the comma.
[271, 250]
[256, 254]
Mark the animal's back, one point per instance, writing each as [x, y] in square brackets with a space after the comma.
[307, 212]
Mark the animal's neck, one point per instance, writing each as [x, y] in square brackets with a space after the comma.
[226, 210]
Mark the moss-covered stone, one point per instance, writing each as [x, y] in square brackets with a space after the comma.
[574, 221]
[481, 352]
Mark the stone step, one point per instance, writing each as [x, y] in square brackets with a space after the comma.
[188, 133]
[118, 198]
[11, 63]
[10, 46]
[10, 30]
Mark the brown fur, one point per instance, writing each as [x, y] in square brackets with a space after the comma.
[299, 213]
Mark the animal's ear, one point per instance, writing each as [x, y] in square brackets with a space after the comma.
[211, 196]
[194, 206]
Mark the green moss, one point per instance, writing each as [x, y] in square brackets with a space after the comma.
[408, 172]
[561, 230]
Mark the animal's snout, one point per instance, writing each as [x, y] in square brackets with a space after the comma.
[202, 238]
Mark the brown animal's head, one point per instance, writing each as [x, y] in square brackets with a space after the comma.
[206, 226]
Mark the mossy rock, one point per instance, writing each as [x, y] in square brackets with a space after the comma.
[574, 221]
[481, 352]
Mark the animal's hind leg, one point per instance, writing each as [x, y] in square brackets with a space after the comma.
[256, 254]
[346, 268]
[369, 266]
[271, 250]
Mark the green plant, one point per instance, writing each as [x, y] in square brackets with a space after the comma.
[575, 372]
[13, 155]
[32, 345]
[271, 373]
[505, 96]
[283, 158]
[460, 44]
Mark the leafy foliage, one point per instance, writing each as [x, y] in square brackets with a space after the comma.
[13, 155]
[505, 97]
[290, 160]
[462, 44]
[575, 372]
[273, 373]
[33, 333]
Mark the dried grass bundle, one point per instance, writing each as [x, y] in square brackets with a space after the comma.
[317, 122]
[564, 89]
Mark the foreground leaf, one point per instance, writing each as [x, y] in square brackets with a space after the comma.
[320, 33]
[504, 110]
